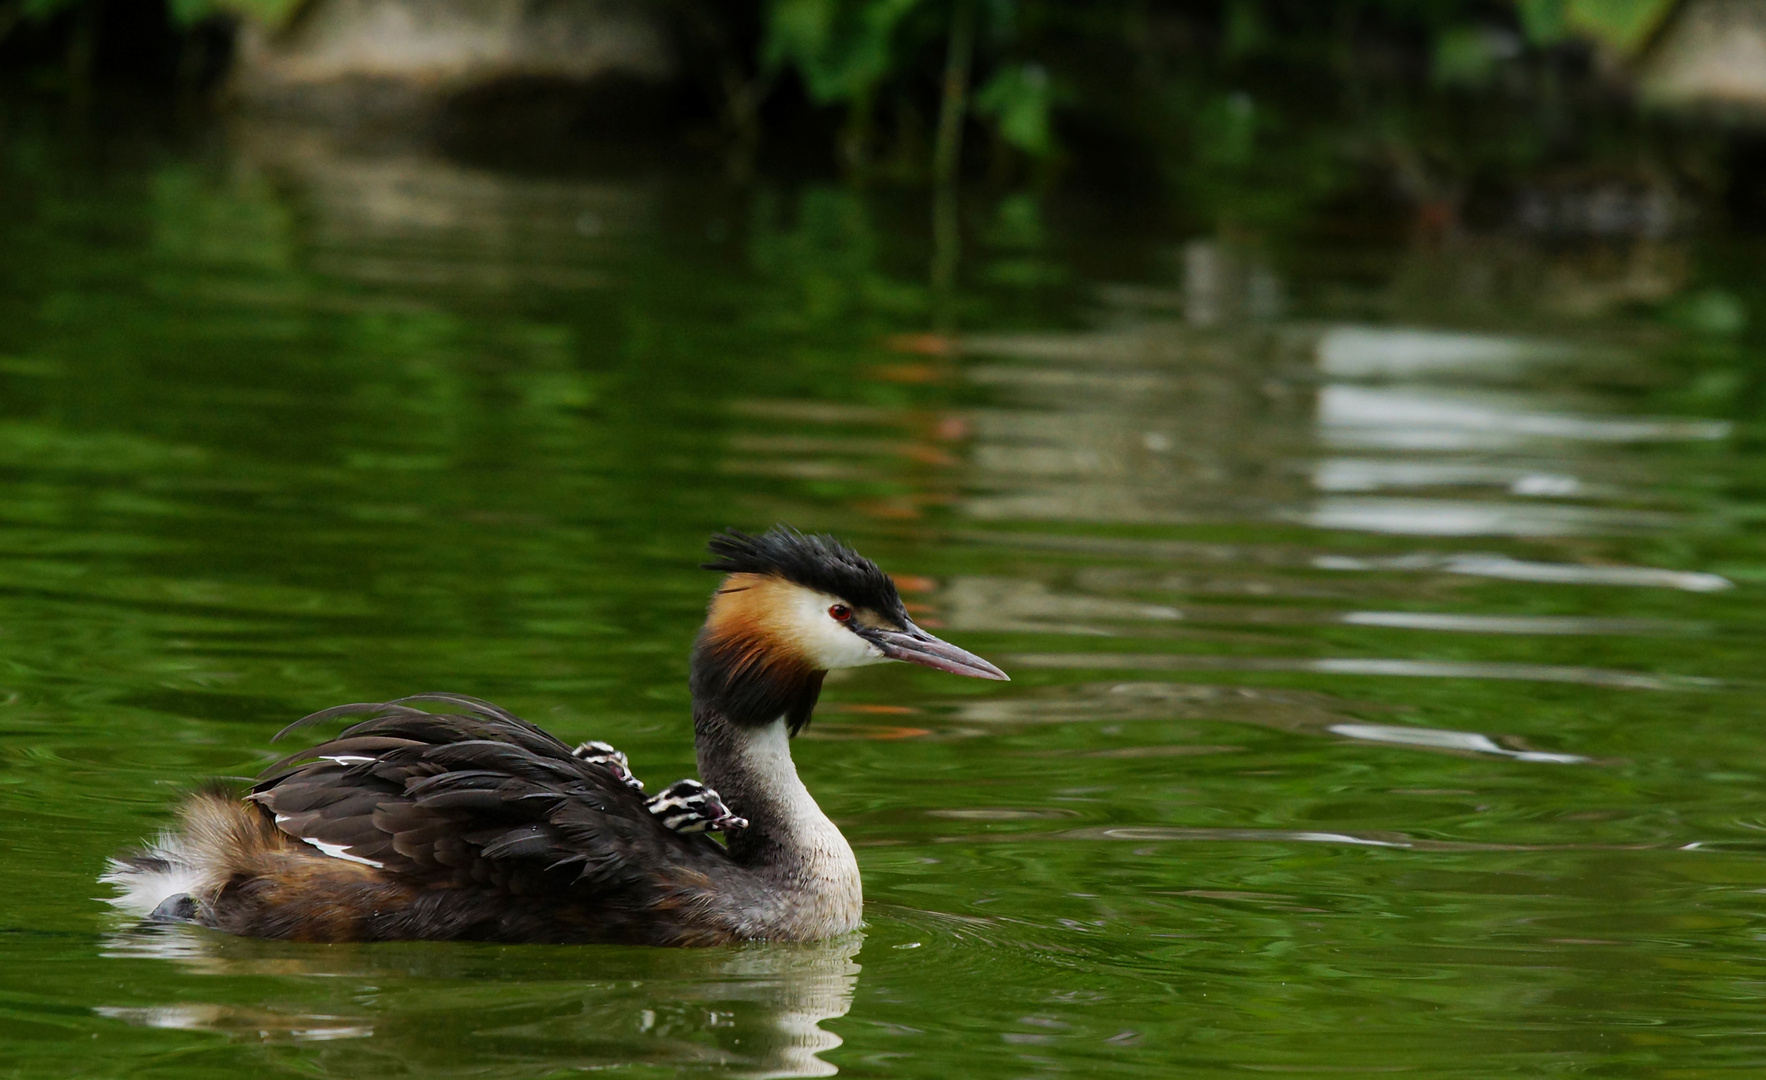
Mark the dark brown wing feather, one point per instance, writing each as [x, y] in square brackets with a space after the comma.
[473, 804]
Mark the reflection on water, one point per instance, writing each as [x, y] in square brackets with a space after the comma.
[396, 220]
[1420, 669]
[979, 603]
[1384, 352]
[1389, 418]
[1511, 624]
[1149, 423]
[1446, 740]
[1360, 474]
[1385, 697]
[753, 1011]
[1451, 517]
[1502, 566]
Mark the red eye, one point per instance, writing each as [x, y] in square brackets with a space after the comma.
[840, 613]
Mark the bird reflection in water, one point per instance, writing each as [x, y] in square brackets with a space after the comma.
[453, 1009]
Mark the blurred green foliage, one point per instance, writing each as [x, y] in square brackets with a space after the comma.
[1018, 98]
[1624, 25]
[841, 50]
[184, 12]
[1036, 58]
[1255, 113]
[851, 51]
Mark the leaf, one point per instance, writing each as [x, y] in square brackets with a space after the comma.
[1226, 129]
[185, 12]
[45, 9]
[1543, 21]
[1464, 56]
[1624, 25]
[1020, 97]
[268, 12]
[1244, 32]
[1714, 312]
[840, 47]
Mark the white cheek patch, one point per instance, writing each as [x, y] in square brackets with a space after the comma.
[826, 642]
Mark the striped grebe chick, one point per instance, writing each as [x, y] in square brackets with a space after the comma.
[444, 817]
[596, 752]
[686, 806]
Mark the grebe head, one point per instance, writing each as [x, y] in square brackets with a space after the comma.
[794, 607]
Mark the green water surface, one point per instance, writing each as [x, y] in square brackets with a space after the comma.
[1384, 622]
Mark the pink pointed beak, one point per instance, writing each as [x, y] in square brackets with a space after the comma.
[916, 646]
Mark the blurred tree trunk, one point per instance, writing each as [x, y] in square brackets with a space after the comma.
[947, 156]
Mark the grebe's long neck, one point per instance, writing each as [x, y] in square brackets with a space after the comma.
[799, 854]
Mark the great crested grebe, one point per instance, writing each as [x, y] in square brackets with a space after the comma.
[444, 817]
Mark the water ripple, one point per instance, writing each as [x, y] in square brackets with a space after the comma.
[1436, 738]
[1411, 418]
[1449, 622]
[1501, 566]
[1448, 517]
[1425, 669]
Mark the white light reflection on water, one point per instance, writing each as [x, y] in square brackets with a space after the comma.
[1361, 474]
[1424, 415]
[1362, 352]
[1475, 564]
[1449, 622]
[1452, 517]
[265, 1025]
[1433, 418]
[1379, 666]
[1437, 739]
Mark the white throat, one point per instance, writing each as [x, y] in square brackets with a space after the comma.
[765, 754]
[813, 859]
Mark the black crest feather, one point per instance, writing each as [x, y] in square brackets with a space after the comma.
[815, 562]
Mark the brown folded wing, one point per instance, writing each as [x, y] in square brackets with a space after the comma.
[473, 801]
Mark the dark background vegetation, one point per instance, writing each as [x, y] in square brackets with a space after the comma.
[1283, 125]
[1253, 111]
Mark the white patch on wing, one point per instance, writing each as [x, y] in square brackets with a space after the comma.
[340, 851]
[347, 759]
[829, 644]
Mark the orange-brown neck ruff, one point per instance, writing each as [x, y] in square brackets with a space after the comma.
[747, 663]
